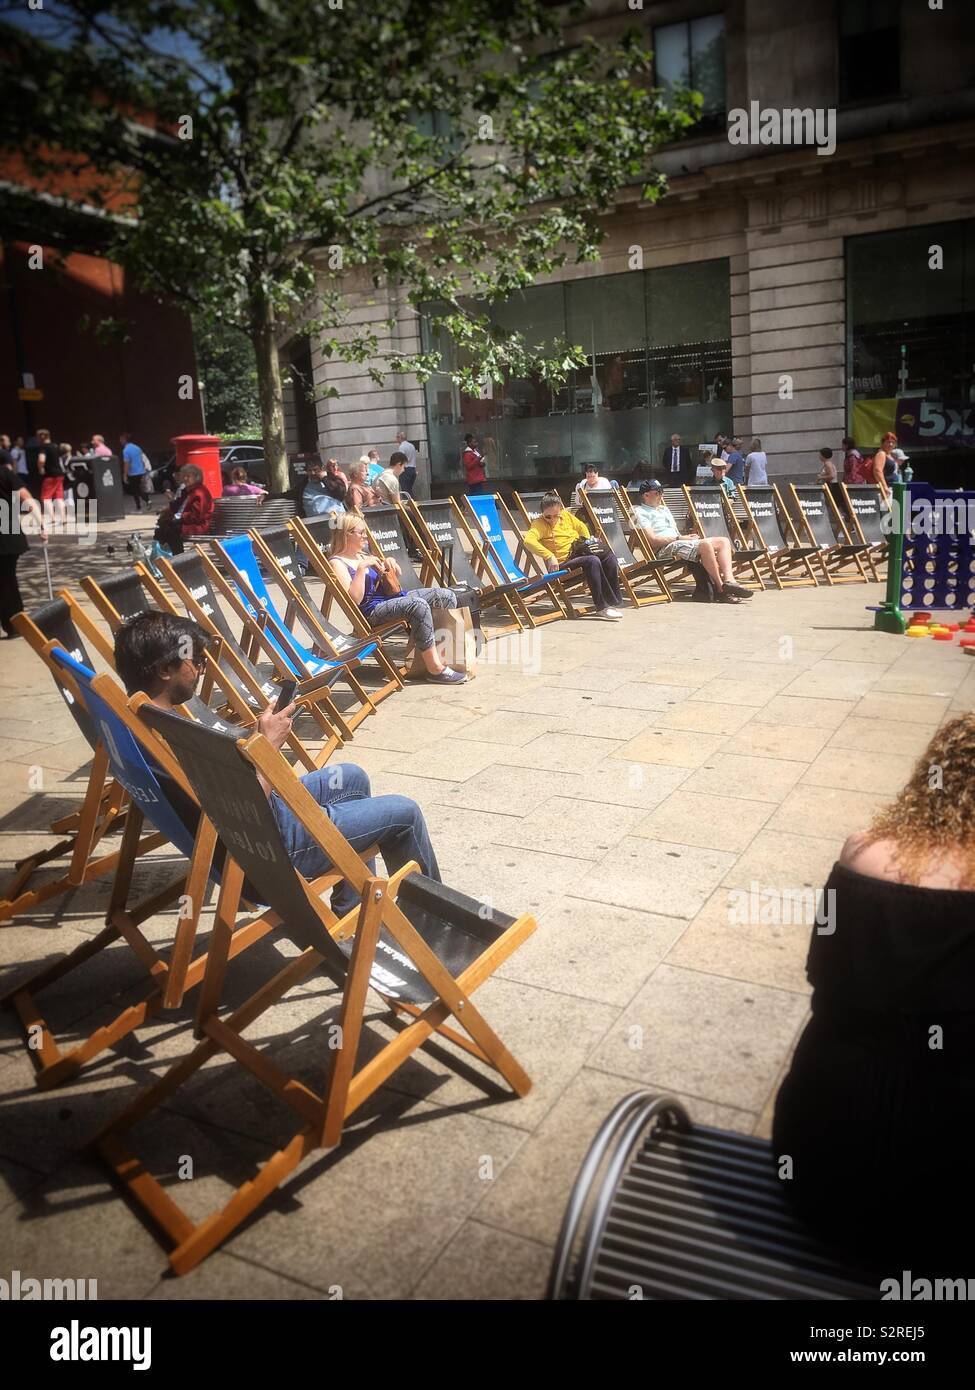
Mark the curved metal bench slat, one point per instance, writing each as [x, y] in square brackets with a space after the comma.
[685, 1212]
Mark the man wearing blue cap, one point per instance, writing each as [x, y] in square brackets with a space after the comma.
[657, 521]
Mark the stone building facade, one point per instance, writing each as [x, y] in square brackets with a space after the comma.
[787, 294]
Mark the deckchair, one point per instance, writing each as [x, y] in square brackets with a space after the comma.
[197, 582]
[247, 593]
[606, 517]
[103, 808]
[639, 540]
[440, 529]
[816, 517]
[867, 508]
[791, 562]
[490, 516]
[313, 537]
[709, 515]
[424, 947]
[277, 550]
[159, 796]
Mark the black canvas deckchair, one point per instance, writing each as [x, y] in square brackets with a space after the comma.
[196, 581]
[643, 579]
[709, 514]
[868, 509]
[103, 808]
[278, 551]
[792, 563]
[439, 529]
[640, 541]
[422, 946]
[159, 795]
[816, 518]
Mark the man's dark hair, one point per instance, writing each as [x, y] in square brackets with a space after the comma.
[468, 439]
[396, 458]
[591, 468]
[825, 453]
[334, 487]
[551, 499]
[154, 642]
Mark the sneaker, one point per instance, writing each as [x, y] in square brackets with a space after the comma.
[613, 612]
[448, 676]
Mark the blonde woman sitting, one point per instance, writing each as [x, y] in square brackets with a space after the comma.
[373, 585]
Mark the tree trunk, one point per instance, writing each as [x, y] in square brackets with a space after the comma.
[269, 388]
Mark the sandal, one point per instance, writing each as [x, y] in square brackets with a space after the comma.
[737, 589]
[726, 596]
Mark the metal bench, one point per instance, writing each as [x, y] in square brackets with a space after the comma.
[666, 1209]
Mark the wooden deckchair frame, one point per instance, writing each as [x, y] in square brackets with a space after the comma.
[346, 1089]
[786, 561]
[168, 979]
[640, 572]
[490, 594]
[313, 620]
[555, 589]
[322, 707]
[307, 693]
[835, 559]
[745, 560]
[104, 809]
[877, 550]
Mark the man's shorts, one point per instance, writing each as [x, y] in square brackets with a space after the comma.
[52, 489]
[684, 548]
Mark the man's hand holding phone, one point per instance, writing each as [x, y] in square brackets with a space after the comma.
[275, 722]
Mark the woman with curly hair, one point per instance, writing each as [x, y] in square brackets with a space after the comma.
[882, 1083]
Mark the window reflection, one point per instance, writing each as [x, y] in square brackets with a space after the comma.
[658, 359]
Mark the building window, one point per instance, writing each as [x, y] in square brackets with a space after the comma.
[911, 336]
[658, 360]
[691, 55]
[869, 49]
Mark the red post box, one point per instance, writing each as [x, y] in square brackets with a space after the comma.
[203, 452]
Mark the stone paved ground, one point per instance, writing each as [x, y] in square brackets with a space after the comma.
[616, 785]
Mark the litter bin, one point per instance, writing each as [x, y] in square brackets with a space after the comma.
[203, 452]
[108, 487]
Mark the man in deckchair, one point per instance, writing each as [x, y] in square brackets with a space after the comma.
[657, 521]
[163, 655]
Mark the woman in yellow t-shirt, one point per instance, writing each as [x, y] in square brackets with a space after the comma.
[552, 536]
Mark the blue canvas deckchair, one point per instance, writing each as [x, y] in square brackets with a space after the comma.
[159, 795]
[487, 513]
[262, 631]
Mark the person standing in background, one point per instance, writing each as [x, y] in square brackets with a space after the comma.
[676, 463]
[882, 467]
[736, 462]
[827, 468]
[99, 448]
[332, 470]
[19, 456]
[403, 445]
[472, 459]
[756, 465]
[852, 462]
[389, 484]
[40, 454]
[6, 452]
[373, 465]
[15, 498]
[133, 471]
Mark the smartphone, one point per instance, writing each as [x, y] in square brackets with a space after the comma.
[286, 696]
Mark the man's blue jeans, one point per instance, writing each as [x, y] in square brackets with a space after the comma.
[394, 823]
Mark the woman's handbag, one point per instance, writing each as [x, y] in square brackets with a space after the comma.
[587, 545]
